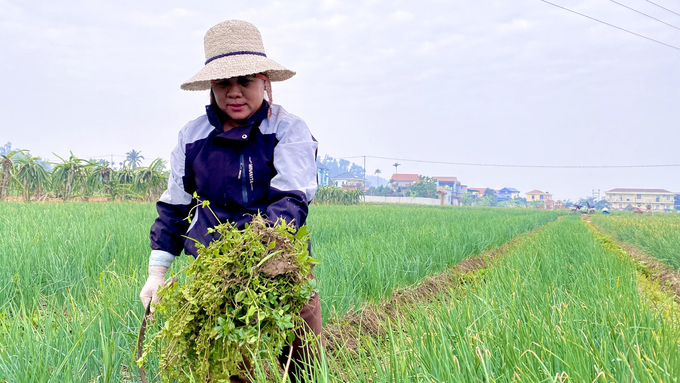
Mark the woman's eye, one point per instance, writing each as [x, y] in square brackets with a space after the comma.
[244, 81]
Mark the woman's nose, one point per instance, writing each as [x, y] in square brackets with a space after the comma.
[234, 91]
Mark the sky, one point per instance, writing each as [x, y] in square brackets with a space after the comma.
[451, 82]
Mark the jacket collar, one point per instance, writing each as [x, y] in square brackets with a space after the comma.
[240, 132]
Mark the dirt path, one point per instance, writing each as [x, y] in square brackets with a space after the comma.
[345, 332]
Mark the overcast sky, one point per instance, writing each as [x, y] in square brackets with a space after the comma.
[516, 82]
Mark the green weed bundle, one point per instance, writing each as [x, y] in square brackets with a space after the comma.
[240, 300]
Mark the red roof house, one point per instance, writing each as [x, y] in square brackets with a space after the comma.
[477, 191]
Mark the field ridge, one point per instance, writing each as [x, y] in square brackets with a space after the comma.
[664, 276]
[345, 331]
[563, 304]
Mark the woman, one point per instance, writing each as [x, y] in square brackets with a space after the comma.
[244, 155]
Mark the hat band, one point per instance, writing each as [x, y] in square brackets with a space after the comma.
[235, 54]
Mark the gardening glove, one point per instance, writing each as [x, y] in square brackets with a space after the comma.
[159, 263]
[156, 278]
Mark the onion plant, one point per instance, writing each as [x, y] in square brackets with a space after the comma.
[564, 305]
[658, 235]
[70, 273]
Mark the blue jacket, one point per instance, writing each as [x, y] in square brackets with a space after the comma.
[266, 165]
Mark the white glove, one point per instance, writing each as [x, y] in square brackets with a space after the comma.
[156, 278]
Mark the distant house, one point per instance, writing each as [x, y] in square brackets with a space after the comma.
[476, 192]
[403, 180]
[659, 199]
[539, 196]
[451, 182]
[506, 194]
[323, 176]
[463, 190]
[450, 190]
[348, 181]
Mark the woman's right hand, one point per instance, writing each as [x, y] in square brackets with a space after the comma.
[156, 278]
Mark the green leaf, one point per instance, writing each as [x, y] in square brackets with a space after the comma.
[239, 296]
[301, 233]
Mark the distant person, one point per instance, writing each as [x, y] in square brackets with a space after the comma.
[244, 154]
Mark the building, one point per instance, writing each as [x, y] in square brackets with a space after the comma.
[403, 180]
[476, 192]
[452, 188]
[539, 196]
[451, 182]
[447, 196]
[349, 181]
[323, 176]
[659, 199]
[506, 194]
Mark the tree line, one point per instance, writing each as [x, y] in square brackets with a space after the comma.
[33, 179]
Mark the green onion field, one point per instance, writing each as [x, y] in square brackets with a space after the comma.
[658, 235]
[564, 303]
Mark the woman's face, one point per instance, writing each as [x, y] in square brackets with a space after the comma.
[239, 97]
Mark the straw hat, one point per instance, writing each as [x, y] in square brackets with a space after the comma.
[234, 48]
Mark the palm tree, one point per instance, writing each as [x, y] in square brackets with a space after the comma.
[134, 158]
[32, 176]
[396, 166]
[376, 172]
[7, 164]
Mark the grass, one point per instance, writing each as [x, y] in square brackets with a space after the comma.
[71, 273]
[70, 277]
[368, 251]
[657, 235]
[563, 305]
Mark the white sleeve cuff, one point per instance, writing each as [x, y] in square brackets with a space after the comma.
[160, 258]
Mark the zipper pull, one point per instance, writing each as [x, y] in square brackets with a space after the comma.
[240, 170]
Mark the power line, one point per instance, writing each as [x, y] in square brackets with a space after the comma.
[612, 25]
[519, 166]
[663, 7]
[642, 13]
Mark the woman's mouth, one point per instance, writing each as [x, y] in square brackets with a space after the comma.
[236, 107]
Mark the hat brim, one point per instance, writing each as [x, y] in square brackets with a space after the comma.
[234, 66]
